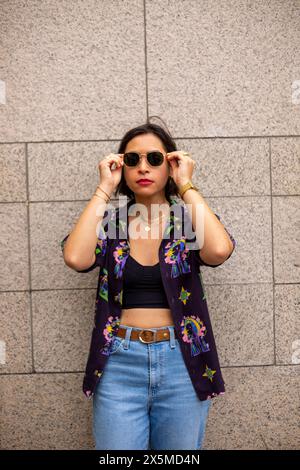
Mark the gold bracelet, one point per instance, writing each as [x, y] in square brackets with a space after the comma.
[189, 185]
[101, 197]
[104, 192]
[107, 199]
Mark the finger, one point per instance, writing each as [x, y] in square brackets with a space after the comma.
[175, 159]
[117, 157]
[110, 157]
[113, 155]
[174, 163]
[112, 160]
[171, 157]
[118, 162]
[115, 160]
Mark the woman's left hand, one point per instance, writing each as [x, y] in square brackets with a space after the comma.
[181, 166]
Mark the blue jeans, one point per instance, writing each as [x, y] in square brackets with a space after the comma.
[145, 398]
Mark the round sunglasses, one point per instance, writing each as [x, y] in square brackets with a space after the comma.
[154, 158]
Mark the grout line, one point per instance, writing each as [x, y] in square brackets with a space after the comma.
[146, 62]
[233, 196]
[82, 371]
[272, 246]
[279, 136]
[55, 289]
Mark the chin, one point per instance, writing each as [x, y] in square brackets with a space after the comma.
[145, 190]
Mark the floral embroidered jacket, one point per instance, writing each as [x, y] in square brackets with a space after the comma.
[182, 280]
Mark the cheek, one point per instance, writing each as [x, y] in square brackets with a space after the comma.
[166, 171]
[163, 175]
[127, 174]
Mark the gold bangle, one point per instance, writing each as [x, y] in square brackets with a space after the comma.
[189, 185]
[107, 199]
[104, 192]
[185, 191]
[101, 197]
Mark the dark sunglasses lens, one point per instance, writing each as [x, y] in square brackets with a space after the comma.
[155, 158]
[131, 159]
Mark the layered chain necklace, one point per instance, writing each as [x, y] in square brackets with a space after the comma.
[148, 225]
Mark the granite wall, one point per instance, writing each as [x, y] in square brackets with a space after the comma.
[74, 77]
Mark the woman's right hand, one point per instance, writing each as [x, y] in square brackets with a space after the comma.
[110, 177]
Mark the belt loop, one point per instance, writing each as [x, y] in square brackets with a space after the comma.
[127, 337]
[172, 337]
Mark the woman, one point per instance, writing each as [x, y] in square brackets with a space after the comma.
[151, 394]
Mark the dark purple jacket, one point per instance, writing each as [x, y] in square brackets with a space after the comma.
[182, 280]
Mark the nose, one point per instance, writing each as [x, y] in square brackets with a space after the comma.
[143, 166]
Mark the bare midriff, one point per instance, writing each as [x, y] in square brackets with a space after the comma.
[145, 252]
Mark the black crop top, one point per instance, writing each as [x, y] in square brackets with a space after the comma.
[143, 286]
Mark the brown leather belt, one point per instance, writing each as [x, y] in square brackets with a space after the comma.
[147, 335]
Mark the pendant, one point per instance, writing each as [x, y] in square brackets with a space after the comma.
[147, 228]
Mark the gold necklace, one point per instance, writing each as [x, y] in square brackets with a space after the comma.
[147, 224]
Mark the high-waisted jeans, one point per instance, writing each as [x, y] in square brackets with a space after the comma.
[145, 398]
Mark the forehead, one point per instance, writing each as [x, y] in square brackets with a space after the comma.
[145, 142]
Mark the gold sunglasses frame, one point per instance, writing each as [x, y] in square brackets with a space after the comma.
[142, 154]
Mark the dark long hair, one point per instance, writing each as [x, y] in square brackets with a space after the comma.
[169, 145]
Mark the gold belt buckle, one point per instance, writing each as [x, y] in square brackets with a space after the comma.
[141, 339]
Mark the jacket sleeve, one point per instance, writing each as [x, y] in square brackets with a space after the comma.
[197, 255]
[100, 250]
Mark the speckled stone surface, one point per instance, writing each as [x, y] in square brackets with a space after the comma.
[285, 165]
[242, 319]
[65, 171]
[62, 325]
[14, 273]
[224, 69]
[249, 220]
[259, 411]
[44, 411]
[50, 223]
[229, 167]
[286, 230]
[12, 173]
[287, 323]
[15, 332]
[71, 73]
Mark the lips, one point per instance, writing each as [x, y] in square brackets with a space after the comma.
[144, 181]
